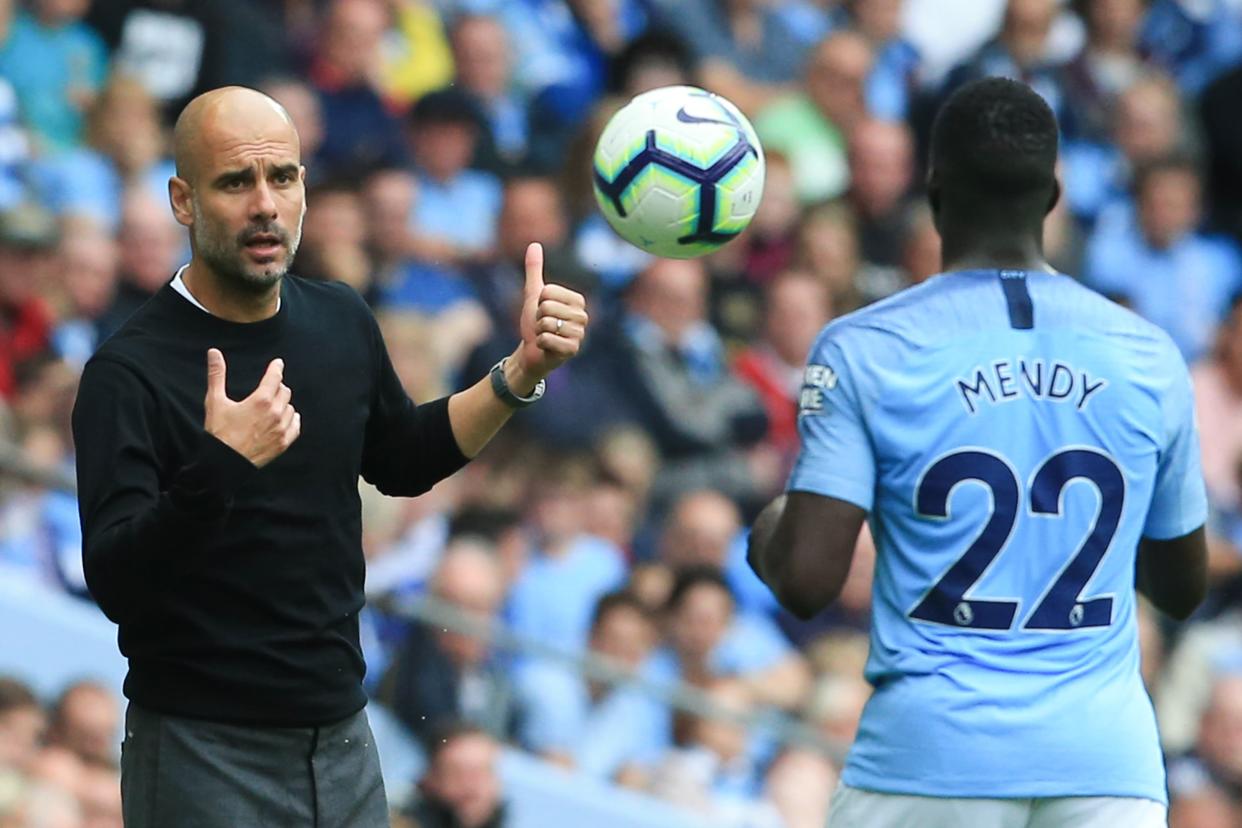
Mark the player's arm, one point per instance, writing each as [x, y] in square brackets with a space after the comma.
[801, 546]
[1172, 573]
[444, 434]
[139, 529]
[1173, 555]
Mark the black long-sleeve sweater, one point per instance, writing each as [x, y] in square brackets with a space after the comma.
[237, 589]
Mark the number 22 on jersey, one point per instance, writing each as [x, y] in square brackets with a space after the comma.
[1061, 606]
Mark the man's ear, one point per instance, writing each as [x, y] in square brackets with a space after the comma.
[1055, 197]
[181, 197]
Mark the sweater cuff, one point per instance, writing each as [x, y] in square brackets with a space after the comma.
[444, 456]
[204, 488]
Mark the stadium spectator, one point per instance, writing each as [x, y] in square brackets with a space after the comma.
[22, 723]
[554, 596]
[881, 158]
[359, 131]
[47, 807]
[796, 308]
[440, 675]
[180, 48]
[461, 787]
[87, 721]
[562, 50]
[667, 366]
[88, 281]
[1170, 274]
[99, 794]
[1020, 51]
[895, 77]
[415, 57]
[770, 244]
[56, 64]
[1202, 805]
[799, 783]
[1218, 751]
[1098, 176]
[28, 237]
[809, 127]
[125, 147]
[335, 228]
[1107, 65]
[602, 730]
[150, 245]
[484, 69]
[714, 771]
[1193, 41]
[829, 247]
[745, 50]
[708, 638]
[457, 207]
[14, 148]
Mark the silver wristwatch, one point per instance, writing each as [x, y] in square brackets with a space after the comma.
[501, 388]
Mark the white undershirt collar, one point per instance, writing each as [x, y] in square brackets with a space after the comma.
[178, 284]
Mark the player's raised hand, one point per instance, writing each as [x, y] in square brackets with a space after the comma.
[553, 324]
[259, 427]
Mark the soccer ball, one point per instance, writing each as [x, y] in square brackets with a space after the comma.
[678, 172]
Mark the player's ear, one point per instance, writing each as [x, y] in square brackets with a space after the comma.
[1055, 197]
[181, 197]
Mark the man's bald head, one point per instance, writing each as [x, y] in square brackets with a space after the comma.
[226, 115]
[240, 188]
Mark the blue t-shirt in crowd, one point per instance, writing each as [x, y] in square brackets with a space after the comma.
[463, 210]
[623, 726]
[554, 598]
[1012, 435]
[47, 67]
[1185, 288]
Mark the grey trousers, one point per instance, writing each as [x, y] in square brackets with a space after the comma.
[185, 773]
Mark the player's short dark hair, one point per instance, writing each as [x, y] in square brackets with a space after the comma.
[995, 140]
[691, 577]
[15, 695]
[611, 602]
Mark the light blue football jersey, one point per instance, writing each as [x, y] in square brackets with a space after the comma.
[1012, 435]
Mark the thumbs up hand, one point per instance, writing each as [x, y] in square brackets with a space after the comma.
[553, 324]
[259, 427]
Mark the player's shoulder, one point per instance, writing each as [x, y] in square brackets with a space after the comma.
[327, 297]
[1074, 305]
[903, 315]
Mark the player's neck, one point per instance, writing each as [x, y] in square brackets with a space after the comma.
[970, 251]
[214, 294]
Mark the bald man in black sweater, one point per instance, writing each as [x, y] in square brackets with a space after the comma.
[220, 435]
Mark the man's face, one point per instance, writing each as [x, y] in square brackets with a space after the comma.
[463, 777]
[249, 198]
[482, 55]
[624, 635]
[1169, 206]
[21, 730]
[701, 621]
[89, 725]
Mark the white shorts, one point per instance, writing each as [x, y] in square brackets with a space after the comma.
[855, 808]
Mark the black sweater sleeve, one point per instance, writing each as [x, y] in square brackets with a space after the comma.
[136, 532]
[409, 448]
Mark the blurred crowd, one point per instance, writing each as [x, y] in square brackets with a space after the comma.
[440, 137]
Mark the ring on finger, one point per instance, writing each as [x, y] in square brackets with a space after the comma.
[560, 323]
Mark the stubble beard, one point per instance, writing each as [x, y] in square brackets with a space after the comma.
[225, 255]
